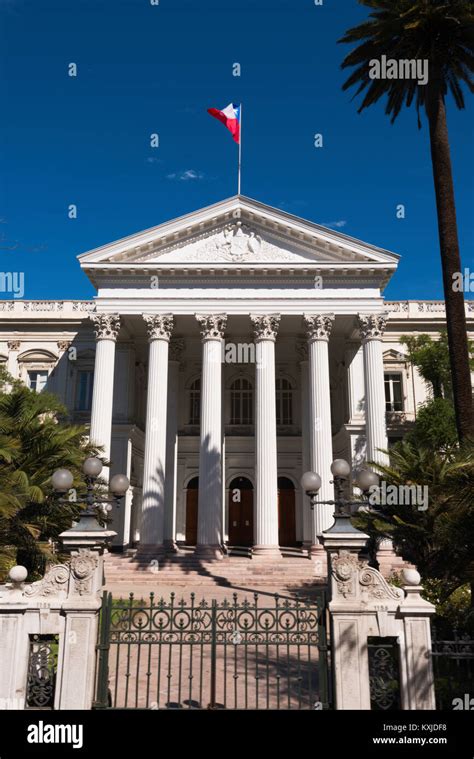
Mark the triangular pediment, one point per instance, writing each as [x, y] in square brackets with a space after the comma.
[238, 231]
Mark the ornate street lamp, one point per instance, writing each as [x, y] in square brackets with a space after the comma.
[311, 484]
[90, 517]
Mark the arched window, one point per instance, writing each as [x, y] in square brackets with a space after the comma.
[284, 401]
[195, 402]
[241, 402]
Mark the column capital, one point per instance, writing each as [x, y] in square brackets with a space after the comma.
[176, 349]
[212, 325]
[106, 326]
[318, 326]
[158, 326]
[13, 345]
[372, 326]
[265, 327]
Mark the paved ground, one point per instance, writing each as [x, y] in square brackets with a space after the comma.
[263, 655]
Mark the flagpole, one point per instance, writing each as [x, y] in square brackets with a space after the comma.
[240, 151]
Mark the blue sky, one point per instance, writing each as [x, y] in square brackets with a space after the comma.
[144, 69]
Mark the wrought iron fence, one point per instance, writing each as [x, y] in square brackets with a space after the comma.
[453, 669]
[228, 654]
[42, 668]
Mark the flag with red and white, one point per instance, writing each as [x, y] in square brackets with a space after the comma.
[230, 117]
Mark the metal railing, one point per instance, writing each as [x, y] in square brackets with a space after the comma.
[235, 654]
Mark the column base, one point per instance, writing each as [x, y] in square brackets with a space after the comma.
[266, 552]
[307, 544]
[208, 552]
[170, 546]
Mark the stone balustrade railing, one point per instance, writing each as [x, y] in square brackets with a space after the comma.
[59, 307]
[422, 308]
[403, 308]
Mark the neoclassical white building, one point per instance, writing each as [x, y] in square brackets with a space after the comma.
[227, 352]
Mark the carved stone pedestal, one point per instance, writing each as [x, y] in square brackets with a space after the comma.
[364, 605]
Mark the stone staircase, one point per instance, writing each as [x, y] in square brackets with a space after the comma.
[184, 569]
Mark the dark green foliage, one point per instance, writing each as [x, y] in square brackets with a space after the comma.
[35, 439]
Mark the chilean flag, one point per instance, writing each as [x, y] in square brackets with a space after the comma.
[230, 117]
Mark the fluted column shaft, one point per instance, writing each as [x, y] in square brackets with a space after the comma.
[176, 348]
[106, 328]
[318, 329]
[372, 327]
[159, 327]
[266, 472]
[209, 532]
[302, 348]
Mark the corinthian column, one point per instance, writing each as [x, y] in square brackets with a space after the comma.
[372, 327]
[106, 329]
[318, 329]
[176, 350]
[266, 473]
[159, 328]
[209, 533]
[302, 351]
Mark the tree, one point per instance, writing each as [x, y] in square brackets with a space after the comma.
[437, 539]
[35, 439]
[431, 358]
[434, 427]
[441, 32]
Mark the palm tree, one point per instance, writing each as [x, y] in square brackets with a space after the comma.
[35, 439]
[441, 32]
[437, 539]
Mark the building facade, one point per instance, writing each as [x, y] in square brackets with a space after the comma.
[227, 352]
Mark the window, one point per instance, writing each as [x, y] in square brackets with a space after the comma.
[284, 401]
[241, 402]
[195, 402]
[37, 380]
[393, 392]
[85, 381]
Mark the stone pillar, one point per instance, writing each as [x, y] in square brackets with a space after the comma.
[65, 602]
[302, 350]
[106, 328]
[364, 605]
[354, 361]
[12, 362]
[418, 690]
[266, 473]
[60, 373]
[350, 659]
[176, 350]
[209, 534]
[372, 327]
[318, 329]
[159, 327]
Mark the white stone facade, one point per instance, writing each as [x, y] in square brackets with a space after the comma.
[201, 330]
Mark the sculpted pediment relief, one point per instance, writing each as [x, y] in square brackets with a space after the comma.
[234, 243]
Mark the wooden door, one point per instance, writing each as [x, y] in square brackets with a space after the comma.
[192, 512]
[286, 512]
[241, 512]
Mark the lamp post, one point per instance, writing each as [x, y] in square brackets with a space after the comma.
[90, 517]
[311, 484]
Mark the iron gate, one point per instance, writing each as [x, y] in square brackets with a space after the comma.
[213, 654]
